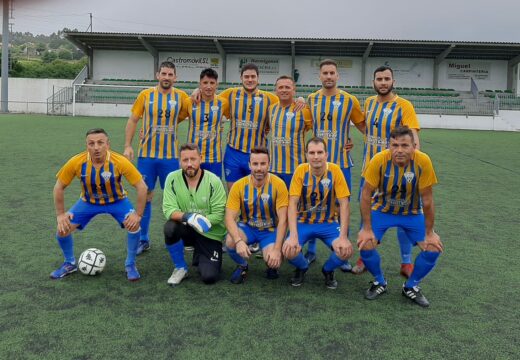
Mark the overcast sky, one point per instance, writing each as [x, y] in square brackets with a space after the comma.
[471, 20]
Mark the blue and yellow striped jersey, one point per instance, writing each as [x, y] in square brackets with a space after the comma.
[398, 188]
[205, 129]
[258, 206]
[287, 140]
[248, 117]
[159, 113]
[381, 119]
[318, 194]
[331, 116]
[100, 185]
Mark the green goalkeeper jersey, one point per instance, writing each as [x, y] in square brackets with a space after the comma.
[208, 199]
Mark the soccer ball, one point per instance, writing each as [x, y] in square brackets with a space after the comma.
[92, 262]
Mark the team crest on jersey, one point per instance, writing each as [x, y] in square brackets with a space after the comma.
[265, 198]
[336, 104]
[194, 108]
[228, 172]
[258, 99]
[289, 115]
[215, 108]
[172, 102]
[409, 176]
[106, 175]
[325, 183]
[387, 112]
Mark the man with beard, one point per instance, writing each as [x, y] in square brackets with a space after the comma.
[194, 202]
[159, 107]
[315, 188]
[398, 193]
[260, 201]
[383, 113]
[332, 110]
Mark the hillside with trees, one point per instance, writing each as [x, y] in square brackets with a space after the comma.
[44, 56]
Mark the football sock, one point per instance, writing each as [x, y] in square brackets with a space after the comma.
[405, 245]
[177, 254]
[236, 258]
[311, 246]
[131, 247]
[67, 247]
[333, 262]
[300, 262]
[145, 221]
[424, 263]
[372, 262]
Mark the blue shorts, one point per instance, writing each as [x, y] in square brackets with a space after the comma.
[215, 168]
[326, 232]
[151, 169]
[84, 212]
[286, 178]
[412, 225]
[348, 177]
[236, 164]
[255, 235]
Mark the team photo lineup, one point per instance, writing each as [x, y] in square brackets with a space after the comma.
[279, 184]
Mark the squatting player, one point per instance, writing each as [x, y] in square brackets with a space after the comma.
[402, 179]
[194, 202]
[206, 121]
[260, 202]
[315, 188]
[159, 108]
[100, 172]
[383, 113]
[333, 110]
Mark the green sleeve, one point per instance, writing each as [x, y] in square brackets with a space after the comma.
[217, 202]
[169, 198]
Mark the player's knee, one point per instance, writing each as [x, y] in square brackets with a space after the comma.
[171, 227]
[429, 247]
[209, 276]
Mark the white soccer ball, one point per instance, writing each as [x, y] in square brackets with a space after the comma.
[92, 261]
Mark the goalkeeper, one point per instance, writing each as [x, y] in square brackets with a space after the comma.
[194, 203]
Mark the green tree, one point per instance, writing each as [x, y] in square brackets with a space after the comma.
[64, 54]
[49, 56]
[41, 47]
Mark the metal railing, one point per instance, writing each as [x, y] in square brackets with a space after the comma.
[60, 101]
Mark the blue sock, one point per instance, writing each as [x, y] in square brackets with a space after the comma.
[67, 247]
[131, 247]
[300, 262]
[311, 246]
[145, 221]
[424, 263]
[177, 254]
[405, 245]
[372, 261]
[236, 258]
[333, 262]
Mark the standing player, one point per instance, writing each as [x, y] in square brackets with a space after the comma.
[315, 188]
[100, 171]
[260, 199]
[333, 110]
[383, 113]
[206, 121]
[287, 128]
[159, 108]
[402, 179]
[194, 202]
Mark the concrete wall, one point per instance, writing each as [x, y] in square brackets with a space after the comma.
[114, 64]
[30, 95]
[189, 65]
[470, 122]
[407, 72]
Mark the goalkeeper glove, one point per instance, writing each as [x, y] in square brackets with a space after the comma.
[197, 221]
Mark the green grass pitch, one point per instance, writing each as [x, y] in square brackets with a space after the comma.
[473, 290]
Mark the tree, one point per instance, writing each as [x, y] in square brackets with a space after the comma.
[49, 56]
[64, 54]
[41, 47]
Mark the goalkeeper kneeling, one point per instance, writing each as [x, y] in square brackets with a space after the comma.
[194, 203]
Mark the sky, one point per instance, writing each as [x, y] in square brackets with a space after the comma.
[446, 20]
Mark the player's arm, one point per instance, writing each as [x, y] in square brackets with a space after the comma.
[432, 241]
[291, 246]
[274, 257]
[415, 133]
[131, 125]
[62, 218]
[217, 203]
[133, 220]
[366, 234]
[232, 228]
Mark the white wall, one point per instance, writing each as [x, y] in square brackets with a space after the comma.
[189, 65]
[30, 95]
[488, 75]
[407, 72]
[270, 67]
[115, 64]
[114, 110]
[468, 122]
[349, 69]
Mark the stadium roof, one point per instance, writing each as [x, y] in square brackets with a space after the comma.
[297, 46]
